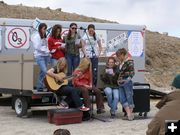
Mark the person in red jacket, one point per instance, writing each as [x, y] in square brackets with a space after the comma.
[55, 44]
[84, 83]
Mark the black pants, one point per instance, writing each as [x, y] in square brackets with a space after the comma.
[94, 62]
[72, 96]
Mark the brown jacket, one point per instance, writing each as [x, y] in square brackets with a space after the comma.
[169, 110]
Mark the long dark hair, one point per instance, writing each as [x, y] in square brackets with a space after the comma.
[69, 33]
[39, 30]
[54, 31]
[93, 27]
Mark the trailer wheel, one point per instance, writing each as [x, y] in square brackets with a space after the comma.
[140, 114]
[145, 114]
[20, 106]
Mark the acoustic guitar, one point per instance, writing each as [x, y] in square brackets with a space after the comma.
[53, 84]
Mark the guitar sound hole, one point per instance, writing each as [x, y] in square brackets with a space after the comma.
[60, 82]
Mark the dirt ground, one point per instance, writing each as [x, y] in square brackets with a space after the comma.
[38, 124]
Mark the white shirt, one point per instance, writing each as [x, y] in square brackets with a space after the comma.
[90, 45]
[40, 45]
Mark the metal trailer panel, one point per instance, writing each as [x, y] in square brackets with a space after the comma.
[15, 72]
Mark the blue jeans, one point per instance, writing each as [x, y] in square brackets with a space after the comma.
[73, 62]
[126, 94]
[42, 62]
[112, 98]
[94, 62]
[72, 96]
[53, 62]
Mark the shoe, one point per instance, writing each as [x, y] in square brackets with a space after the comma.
[40, 90]
[84, 109]
[99, 111]
[131, 117]
[64, 104]
[113, 115]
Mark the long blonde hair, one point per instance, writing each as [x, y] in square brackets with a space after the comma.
[85, 63]
[59, 62]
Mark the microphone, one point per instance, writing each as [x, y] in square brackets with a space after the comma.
[81, 28]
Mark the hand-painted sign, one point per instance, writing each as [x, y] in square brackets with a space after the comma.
[115, 43]
[17, 37]
[102, 34]
[135, 43]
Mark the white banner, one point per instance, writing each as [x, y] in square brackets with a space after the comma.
[135, 44]
[0, 38]
[17, 37]
[115, 43]
[36, 24]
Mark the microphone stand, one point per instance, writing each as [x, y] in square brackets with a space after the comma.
[92, 116]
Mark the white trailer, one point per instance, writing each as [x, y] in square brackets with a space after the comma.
[18, 70]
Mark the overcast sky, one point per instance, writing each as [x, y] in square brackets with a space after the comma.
[157, 15]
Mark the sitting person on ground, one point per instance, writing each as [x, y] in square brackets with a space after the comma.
[72, 96]
[84, 83]
[126, 73]
[109, 77]
[169, 110]
[61, 132]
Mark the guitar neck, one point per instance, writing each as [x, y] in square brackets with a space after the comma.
[69, 77]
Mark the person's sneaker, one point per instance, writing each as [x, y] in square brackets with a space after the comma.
[64, 104]
[113, 115]
[40, 90]
[84, 109]
[99, 111]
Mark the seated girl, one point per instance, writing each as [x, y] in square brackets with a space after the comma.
[84, 83]
[109, 77]
[71, 93]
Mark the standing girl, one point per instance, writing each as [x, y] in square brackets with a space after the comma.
[55, 44]
[126, 74]
[73, 44]
[41, 54]
[92, 49]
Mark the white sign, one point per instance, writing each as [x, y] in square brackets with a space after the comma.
[102, 34]
[135, 44]
[17, 37]
[36, 24]
[115, 43]
[0, 38]
[64, 33]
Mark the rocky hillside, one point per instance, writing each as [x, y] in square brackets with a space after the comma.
[162, 52]
[162, 58]
[24, 12]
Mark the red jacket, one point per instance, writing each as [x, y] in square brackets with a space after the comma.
[53, 45]
[84, 79]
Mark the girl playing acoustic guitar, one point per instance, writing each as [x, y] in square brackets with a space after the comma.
[72, 97]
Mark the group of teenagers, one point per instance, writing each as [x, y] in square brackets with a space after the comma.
[64, 56]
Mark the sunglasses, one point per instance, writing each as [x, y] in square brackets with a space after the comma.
[74, 28]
